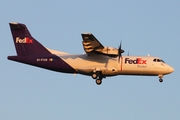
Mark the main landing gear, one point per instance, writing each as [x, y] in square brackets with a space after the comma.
[98, 81]
[98, 76]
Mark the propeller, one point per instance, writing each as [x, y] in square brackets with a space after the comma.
[120, 51]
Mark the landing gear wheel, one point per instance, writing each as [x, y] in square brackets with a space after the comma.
[94, 75]
[161, 80]
[98, 81]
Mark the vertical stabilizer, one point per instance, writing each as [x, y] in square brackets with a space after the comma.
[24, 43]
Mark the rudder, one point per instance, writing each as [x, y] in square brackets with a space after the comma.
[24, 43]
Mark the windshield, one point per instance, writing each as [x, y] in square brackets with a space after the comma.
[158, 60]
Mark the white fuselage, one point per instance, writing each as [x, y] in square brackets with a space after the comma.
[126, 65]
[98, 62]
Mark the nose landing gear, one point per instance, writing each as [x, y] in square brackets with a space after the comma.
[160, 78]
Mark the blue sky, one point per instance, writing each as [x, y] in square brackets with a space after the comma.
[145, 27]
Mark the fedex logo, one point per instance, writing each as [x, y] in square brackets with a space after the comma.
[136, 61]
[25, 40]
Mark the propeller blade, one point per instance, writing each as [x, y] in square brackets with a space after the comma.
[120, 51]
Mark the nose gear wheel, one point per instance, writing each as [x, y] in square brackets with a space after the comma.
[161, 80]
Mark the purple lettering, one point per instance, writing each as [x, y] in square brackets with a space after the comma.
[135, 61]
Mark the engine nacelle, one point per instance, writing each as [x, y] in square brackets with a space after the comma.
[110, 51]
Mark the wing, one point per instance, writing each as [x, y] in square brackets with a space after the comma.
[90, 43]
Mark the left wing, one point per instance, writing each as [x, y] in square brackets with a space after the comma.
[90, 43]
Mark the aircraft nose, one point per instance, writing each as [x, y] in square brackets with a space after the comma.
[171, 69]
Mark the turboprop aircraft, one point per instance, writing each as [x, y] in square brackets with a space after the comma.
[99, 61]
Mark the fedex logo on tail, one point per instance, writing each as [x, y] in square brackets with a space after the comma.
[136, 61]
[25, 40]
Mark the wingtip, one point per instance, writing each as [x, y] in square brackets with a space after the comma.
[86, 33]
[14, 23]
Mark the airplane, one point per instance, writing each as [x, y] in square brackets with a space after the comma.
[98, 62]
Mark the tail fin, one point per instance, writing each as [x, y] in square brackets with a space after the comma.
[24, 43]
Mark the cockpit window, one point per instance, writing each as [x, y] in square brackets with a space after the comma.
[162, 61]
[158, 60]
[154, 60]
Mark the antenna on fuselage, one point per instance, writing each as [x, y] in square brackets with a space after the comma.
[128, 53]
